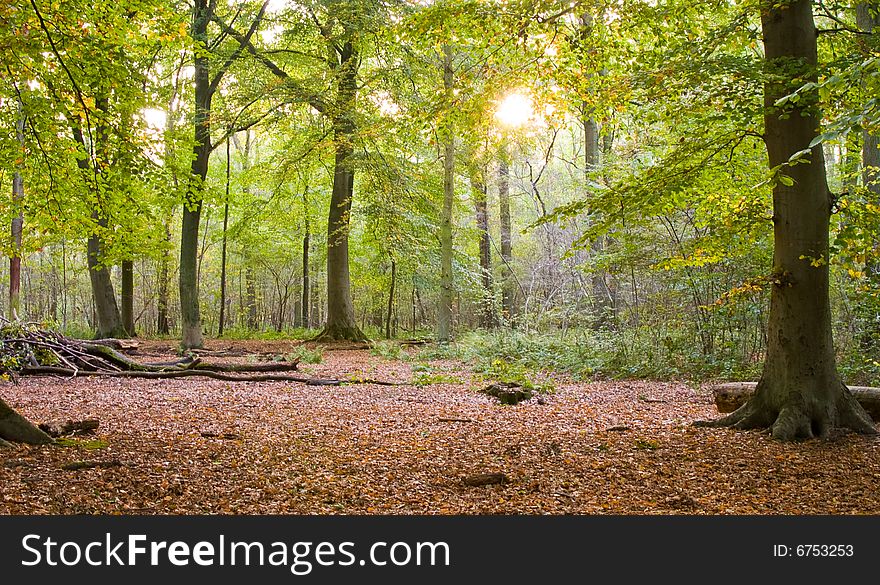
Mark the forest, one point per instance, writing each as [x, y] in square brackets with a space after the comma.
[439, 256]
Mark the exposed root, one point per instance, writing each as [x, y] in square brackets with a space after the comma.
[746, 417]
[794, 421]
[339, 333]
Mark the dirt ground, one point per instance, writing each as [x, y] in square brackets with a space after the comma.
[199, 446]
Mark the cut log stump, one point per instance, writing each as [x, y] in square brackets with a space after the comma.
[732, 395]
[508, 392]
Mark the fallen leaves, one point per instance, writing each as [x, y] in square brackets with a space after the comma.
[209, 447]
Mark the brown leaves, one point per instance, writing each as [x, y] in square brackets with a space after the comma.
[211, 447]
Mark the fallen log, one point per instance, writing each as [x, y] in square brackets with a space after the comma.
[120, 344]
[732, 395]
[70, 427]
[17, 429]
[167, 374]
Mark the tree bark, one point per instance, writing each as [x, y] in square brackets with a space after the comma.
[190, 319]
[109, 320]
[507, 308]
[444, 314]
[341, 320]
[127, 298]
[800, 394]
[868, 20]
[17, 222]
[390, 312]
[307, 236]
[162, 322]
[222, 320]
[250, 293]
[481, 210]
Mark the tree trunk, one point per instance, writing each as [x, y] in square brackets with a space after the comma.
[390, 311]
[800, 394]
[506, 247]
[190, 320]
[444, 315]
[162, 324]
[17, 223]
[250, 288]
[307, 236]
[341, 319]
[109, 320]
[222, 320]
[14, 427]
[603, 308]
[127, 297]
[481, 210]
[868, 20]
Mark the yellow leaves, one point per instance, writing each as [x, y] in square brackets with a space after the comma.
[855, 273]
[814, 262]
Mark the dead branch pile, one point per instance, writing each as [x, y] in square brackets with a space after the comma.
[27, 349]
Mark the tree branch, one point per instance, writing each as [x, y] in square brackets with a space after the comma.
[304, 95]
[212, 87]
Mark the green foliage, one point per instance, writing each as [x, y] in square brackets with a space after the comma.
[306, 355]
[87, 444]
[430, 378]
[511, 356]
[389, 350]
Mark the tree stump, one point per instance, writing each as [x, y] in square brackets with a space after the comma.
[508, 392]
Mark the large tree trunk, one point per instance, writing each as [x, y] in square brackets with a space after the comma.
[190, 320]
[109, 319]
[800, 394]
[127, 297]
[341, 319]
[506, 241]
[390, 313]
[306, 321]
[481, 210]
[603, 301]
[222, 319]
[444, 315]
[17, 223]
[868, 20]
[603, 295]
[16, 428]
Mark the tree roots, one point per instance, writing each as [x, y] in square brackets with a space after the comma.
[794, 420]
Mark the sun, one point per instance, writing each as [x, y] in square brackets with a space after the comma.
[515, 110]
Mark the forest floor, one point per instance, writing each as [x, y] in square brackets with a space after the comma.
[193, 446]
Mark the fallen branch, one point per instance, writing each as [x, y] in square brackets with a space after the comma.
[167, 374]
[70, 427]
[732, 395]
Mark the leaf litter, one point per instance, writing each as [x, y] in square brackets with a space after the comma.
[190, 446]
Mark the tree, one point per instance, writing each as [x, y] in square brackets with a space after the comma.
[206, 86]
[800, 393]
[444, 319]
